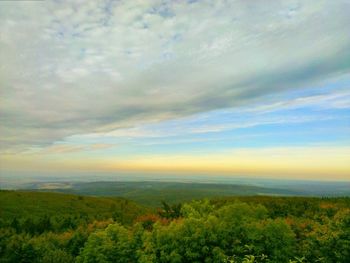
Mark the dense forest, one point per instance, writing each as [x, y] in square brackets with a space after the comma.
[54, 227]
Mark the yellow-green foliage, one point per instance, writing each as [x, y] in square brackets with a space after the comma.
[232, 230]
[19, 204]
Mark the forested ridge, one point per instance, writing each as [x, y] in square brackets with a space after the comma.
[53, 227]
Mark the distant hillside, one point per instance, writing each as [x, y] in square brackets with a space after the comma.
[152, 193]
[21, 204]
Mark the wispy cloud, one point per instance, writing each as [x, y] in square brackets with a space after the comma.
[63, 148]
[315, 108]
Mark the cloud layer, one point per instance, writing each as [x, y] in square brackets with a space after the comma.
[80, 67]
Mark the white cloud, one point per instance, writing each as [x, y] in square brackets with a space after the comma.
[84, 66]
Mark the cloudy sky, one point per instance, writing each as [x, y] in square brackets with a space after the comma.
[237, 87]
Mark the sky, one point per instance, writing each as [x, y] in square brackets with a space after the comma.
[248, 88]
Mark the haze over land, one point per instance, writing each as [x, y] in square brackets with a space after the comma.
[238, 88]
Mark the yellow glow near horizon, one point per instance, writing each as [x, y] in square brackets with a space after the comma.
[321, 163]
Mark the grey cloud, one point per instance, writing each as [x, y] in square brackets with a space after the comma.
[78, 67]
